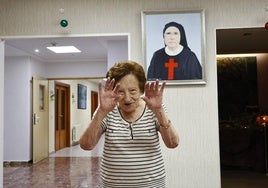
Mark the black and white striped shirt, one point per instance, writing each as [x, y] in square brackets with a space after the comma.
[132, 156]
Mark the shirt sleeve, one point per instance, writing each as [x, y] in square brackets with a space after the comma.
[104, 124]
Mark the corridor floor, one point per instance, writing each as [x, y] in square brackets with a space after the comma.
[72, 167]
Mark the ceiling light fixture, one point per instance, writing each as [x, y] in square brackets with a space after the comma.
[64, 49]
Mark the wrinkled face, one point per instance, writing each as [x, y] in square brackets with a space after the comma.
[172, 37]
[129, 93]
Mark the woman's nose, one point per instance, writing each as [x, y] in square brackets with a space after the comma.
[127, 97]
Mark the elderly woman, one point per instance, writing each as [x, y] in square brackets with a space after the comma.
[130, 114]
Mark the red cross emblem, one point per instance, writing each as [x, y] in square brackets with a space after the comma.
[171, 65]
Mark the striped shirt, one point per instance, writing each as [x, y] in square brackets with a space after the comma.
[132, 155]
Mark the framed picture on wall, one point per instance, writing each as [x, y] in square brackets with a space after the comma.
[82, 96]
[174, 46]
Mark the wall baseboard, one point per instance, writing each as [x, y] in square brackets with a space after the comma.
[17, 163]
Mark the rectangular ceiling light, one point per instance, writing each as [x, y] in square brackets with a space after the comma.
[64, 49]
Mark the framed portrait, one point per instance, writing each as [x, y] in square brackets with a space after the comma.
[82, 96]
[174, 46]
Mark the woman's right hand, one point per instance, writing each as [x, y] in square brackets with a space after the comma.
[108, 95]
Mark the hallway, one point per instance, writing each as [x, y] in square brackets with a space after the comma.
[75, 168]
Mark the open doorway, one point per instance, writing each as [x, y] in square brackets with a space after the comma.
[242, 56]
[22, 59]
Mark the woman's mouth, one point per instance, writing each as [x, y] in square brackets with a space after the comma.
[129, 103]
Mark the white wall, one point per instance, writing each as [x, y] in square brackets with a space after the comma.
[51, 121]
[193, 109]
[76, 69]
[17, 110]
[116, 53]
[1, 108]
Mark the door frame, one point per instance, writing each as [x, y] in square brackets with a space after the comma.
[68, 113]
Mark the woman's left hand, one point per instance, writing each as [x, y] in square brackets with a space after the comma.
[153, 95]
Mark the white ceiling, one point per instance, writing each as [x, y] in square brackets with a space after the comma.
[242, 40]
[94, 48]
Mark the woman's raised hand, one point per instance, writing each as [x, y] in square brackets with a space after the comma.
[108, 95]
[153, 94]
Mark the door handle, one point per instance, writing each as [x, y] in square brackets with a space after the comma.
[35, 119]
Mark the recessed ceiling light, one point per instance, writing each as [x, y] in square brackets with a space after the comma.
[36, 50]
[64, 49]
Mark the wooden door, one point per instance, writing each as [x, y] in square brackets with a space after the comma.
[40, 119]
[94, 102]
[62, 116]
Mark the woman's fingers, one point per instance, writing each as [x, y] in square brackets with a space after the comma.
[154, 86]
[116, 88]
[162, 87]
